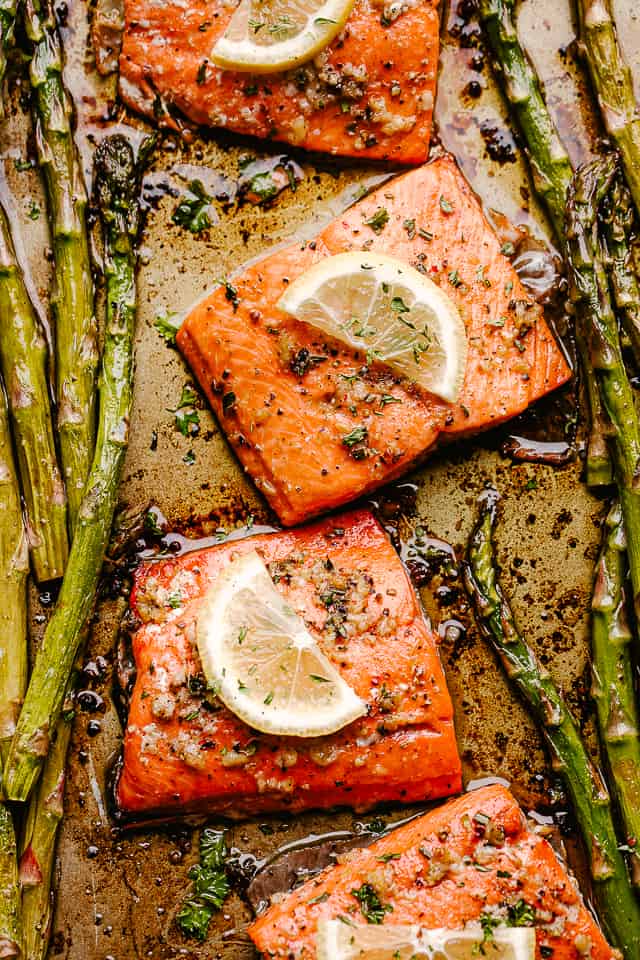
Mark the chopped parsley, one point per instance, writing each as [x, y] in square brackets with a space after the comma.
[399, 306]
[371, 906]
[521, 914]
[151, 525]
[378, 220]
[193, 211]
[166, 328]
[210, 886]
[445, 205]
[454, 278]
[187, 418]
[357, 435]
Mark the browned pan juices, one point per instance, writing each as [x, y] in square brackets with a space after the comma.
[117, 895]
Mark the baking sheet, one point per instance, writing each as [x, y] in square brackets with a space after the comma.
[118, 893]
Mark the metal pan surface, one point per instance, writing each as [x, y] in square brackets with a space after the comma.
[118, 892]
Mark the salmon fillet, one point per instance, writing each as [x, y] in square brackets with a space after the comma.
[287, 396]
[185, 752]
[471, 856]
[369, 94]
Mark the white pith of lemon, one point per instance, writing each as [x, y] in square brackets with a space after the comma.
[263, 663]
[336, 940]
[386, 309]
[265, 36]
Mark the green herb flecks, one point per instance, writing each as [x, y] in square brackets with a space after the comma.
[166, 327]
[187, 418]
[194, 210]
[210, 886]
[378, 220]
[371, 906]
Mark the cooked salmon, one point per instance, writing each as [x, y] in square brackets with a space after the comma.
[184, 751]
[471, 858]
[290, 399]
[369, 94]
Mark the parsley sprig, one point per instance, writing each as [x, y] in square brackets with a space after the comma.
[210, 886]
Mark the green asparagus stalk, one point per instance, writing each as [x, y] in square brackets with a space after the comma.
[117, 187]
[551, 172]
[617, 216]
[72, 300]
[10, 919]
[39, 841]
[613, 687]
[549, 161]
[617, 905]
[14, 569]
[613, 84]
[589, 283]
[24, 361]
[8, 13]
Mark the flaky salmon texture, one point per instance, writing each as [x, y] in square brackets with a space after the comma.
[289, 398]
[369, 94]
[471, 858]
[185, 752]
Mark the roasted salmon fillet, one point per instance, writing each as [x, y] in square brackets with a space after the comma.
[472, 857]
[289, 398]
[369, 94]
[184, 751]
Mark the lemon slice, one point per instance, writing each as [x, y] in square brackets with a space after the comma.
[336, 940]
[391, 312]
[262, 661]
[265, 36]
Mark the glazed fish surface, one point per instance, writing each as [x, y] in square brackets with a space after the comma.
[369, 94]
[470, 859]
[186, 752]
[314, 425]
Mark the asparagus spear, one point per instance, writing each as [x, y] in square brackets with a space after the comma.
[24, 360]
[549, 161]
[616, 901]
[589, 282]
[8, 12]
[10, 921]
[117, 187]
[613, 687]
[551, 172]
[14, 569]
[617, 216]
[613, 84]
[39, 841]
[72, 300]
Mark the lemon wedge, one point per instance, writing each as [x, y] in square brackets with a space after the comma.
[336, 940]
[389, 311]
[265, 36]
[263, 663]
